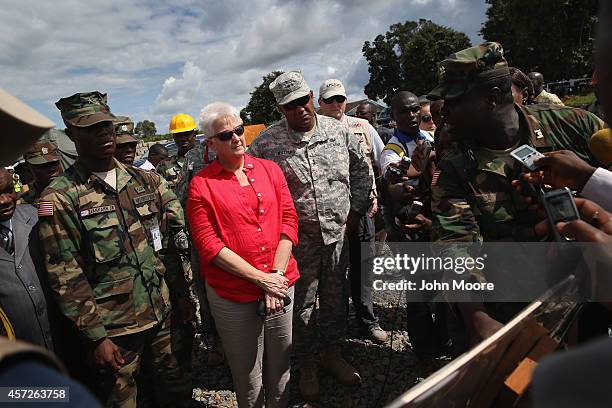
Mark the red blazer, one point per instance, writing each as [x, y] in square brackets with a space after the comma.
[220, 216]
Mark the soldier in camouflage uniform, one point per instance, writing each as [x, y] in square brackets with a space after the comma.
[43, 161]
[105, 227]
[125, 150]
[330, 182]
[183, 129]
[473, 199]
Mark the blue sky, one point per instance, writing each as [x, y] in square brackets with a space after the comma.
[157, 58]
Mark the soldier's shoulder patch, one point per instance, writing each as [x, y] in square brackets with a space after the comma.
[45, 209]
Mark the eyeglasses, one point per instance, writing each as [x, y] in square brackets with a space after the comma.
[426, 118]
[228, 134]
[296, 102]
[335, 98]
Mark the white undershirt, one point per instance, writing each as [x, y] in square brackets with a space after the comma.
[109, 177]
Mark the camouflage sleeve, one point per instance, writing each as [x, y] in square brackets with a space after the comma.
[361, 176]
[253, 149]
[173, 217]
[181, 186]
[60, 234]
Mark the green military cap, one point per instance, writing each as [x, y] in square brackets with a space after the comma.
[85, 109]
[42, 153]
[460, 71]
[124, 129]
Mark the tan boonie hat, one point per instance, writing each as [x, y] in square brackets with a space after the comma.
[331, 87]
[460, 71]
[85, 109]
[124, 129]
[42, 153]
[288, 87]
[21, 126]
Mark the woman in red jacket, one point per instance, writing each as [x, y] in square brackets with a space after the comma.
[244, 226]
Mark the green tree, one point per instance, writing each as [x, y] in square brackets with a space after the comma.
[554, 37]
[146, 128]
[407, 57]
[262, 105]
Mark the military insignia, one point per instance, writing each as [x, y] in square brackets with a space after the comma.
[436, 176]
[98, 210]
[44, 150]
[140, 189]
[45, 208]
[145, 198]
[539, 134]
[124, 128]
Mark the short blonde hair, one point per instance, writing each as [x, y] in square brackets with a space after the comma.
[216, 110]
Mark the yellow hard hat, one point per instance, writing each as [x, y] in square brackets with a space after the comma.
[182, 122]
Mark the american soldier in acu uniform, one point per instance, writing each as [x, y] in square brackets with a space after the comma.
[105, 227]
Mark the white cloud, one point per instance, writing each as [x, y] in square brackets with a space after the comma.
[155, 58]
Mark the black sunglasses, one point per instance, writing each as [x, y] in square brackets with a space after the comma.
[335, 98]
[228, 134]
[426, 118]
[297, 102]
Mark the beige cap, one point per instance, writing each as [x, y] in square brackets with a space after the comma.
[288, 87]
[331, 87]
[21, 126]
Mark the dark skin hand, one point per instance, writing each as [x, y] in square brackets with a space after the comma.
[107, 354]
[581, 230]
[420, 223]
[562, 168]
[419, 153]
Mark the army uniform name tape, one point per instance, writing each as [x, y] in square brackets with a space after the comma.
[98, 210]
[145, 198]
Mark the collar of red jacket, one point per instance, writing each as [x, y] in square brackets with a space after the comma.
[249, 164]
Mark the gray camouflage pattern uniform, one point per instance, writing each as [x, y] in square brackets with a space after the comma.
[328, 175]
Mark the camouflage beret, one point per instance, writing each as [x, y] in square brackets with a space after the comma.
[85, 109]
[124, 129]
[460, 71]
[42, 153]
[289, 86]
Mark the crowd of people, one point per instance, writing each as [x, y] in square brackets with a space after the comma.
[104, 260]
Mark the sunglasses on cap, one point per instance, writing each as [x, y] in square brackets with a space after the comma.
[426, 118]
[228, 134]
[335, 98]
[297, 102]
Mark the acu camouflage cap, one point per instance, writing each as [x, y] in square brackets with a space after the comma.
[124, 129]
[42, 153]
[289, 86]
[85, 109]
[460, 71]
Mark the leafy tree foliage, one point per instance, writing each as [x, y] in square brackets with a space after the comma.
[262, 106]
[407, 56]
[146, 128]
[554, 37]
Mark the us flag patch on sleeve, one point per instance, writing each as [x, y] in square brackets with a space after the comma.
[45, 208]
[434, 179]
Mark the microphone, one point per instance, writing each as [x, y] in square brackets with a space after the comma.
[601, 146]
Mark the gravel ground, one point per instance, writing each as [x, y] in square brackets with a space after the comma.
[212, 386]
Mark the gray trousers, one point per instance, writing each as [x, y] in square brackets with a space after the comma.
[258, 351]
[323, 273]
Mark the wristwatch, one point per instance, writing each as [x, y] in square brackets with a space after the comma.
[281, 272]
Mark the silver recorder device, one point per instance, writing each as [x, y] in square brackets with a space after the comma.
[527, 155]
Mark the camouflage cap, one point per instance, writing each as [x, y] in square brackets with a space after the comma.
[460, 71]
[85, 109]
[289, 86]
[42, 153]
[124, 129]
